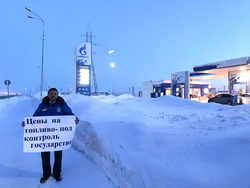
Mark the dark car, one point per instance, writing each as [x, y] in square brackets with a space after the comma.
[223, 99]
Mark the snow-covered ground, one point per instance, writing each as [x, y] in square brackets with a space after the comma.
[127, 141]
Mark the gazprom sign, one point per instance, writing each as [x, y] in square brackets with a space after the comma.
[83, 68]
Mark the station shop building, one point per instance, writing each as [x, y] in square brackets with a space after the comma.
[186, 84]
[154, 89]
[196, 89]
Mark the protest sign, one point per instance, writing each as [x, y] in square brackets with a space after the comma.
[48, 133]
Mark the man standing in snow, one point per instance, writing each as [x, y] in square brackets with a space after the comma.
[52, 105]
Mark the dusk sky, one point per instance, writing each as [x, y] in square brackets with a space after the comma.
[151, 39]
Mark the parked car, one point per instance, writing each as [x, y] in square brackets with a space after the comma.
[223, 99]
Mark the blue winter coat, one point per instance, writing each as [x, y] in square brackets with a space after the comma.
[60, 107]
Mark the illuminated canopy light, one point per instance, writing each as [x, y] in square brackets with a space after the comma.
[242, 69]
[244, 77]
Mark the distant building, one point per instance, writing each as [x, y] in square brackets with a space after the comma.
[147, 87]
[163, 87]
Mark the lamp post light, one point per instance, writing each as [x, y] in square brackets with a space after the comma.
[111, 51]
[39, 18]
[112, 65]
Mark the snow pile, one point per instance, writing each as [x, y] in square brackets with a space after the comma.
[163, 142]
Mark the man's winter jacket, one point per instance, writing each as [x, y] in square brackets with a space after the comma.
[56, 109]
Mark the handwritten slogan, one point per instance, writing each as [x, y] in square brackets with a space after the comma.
[48, 133]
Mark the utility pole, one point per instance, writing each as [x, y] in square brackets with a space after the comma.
[94, 84]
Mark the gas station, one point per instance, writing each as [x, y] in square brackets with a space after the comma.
[236, 70]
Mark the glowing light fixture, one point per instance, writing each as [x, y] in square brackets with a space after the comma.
[242, 68]
[112, 65]
[111, 51]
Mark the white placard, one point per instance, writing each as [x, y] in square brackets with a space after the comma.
[48, 133]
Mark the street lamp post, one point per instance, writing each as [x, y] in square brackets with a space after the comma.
[39, 18]
[112, 65]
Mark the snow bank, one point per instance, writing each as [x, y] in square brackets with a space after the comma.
[163, 142]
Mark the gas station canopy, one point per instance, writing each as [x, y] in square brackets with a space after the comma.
[220, 69]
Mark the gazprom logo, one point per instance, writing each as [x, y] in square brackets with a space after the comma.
[176, 79]
[83, 50]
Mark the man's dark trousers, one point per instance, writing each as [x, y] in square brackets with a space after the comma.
[46, 163]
